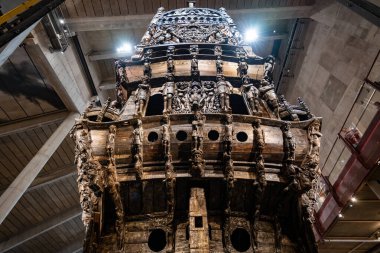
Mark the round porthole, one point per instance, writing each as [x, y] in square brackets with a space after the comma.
[152, 136]
[181, 135]
[213, 135]
[240, 239]
[241, 136]
[157, 240]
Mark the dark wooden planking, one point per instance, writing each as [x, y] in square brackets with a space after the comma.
[140, 7]
[132, 7]
[49, 195]
[106, 7]
[218, 3]
[18, 150]
[115, 8]
[16, 165]
[88, 7]
[123, 7]
[165, 4]
[149, 7]
[71, 9]
[10, 105]
[64, 10]
[155, 5]
[201, 3]
[80, 8]
[61, 195]
[172, 4]
[98, 9]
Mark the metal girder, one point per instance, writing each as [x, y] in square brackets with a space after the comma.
[28, 18]
[39, 229]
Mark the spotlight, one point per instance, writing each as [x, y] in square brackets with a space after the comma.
[274, 31]
[125, 48]
[340, 215]
[354, 200]
[251, 35]
[61, 21]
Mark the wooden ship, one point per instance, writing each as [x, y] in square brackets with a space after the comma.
[197, 153]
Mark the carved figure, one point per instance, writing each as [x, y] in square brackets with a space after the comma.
[168, 93]
[267, 93]
[137, 149]
[111, 183]
[224, 90]
[197, 133]
[166, 135]
[182, 96]
[196, 96]
[142, 94]
[219, 66]
[242, 69]
[218, 50]
[170, 64]
[170, 51]
[121, 74]
[268, 68]
[209, 90]
[252, 95]
[194, 66]
[147, 69]
[288, 108]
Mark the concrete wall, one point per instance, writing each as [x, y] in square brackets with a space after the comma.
[340, 48]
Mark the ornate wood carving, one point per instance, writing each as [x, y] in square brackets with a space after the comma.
[156, 180]
[197, 160]
[137, 149]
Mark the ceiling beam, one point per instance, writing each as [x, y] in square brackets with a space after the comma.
[18, 187]
[61, 70]
[39, 229]
[142, 21]
[17, 126]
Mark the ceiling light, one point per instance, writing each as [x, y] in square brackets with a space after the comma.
[251, 35]
[340, 215]
[125, 48]
[353, 199]
[61, 21]
[274, 31]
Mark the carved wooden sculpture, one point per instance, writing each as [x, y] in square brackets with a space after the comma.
[203, 174]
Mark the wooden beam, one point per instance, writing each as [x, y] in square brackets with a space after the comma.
[41, 228]
[18, 187]
[142, 21]
[17, 126]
